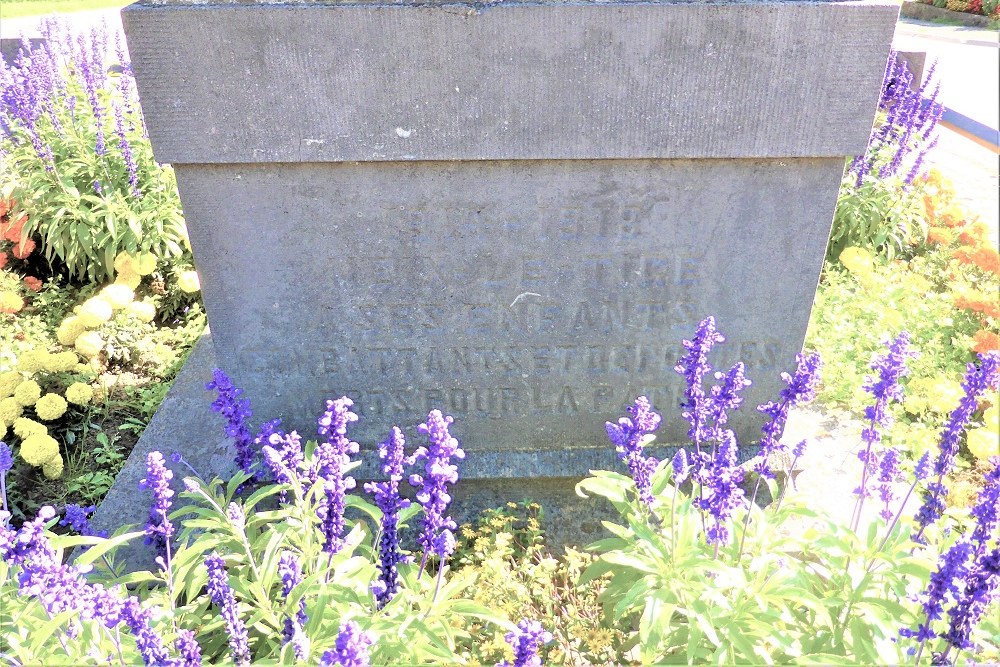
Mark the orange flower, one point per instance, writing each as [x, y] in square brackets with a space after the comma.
[963, 255]
[11, 230]
[33, 283]
[22, 250]
[987, 259]
[985, 341]
[939, 236]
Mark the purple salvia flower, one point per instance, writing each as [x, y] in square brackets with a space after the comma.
[332, 459]
[157, 480]
[980, 591]
[977, 380]
[799, 388]
[679, 467]
[351, 649]
[439, 472]
[222, 596]
[726, 397]
[237, 412]
[291, 576]
[126, 150]
[77, 518]
[283, 455]
[922, 469]
[721, 480]
[630, 436]
[693, 366]
[800, 449]
[944, 582]
[526, 641]
[983, 579]
[888, 474]
[269, 434]
[6, 463]
[188, 649]
[387, 499]
[885, 388]
[150, 645]
[91, 85]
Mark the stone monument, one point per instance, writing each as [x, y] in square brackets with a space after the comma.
[513, 211]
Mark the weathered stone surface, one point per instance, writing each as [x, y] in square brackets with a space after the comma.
[513, 213]
[531, 300]
[317, 83]
[9, 46]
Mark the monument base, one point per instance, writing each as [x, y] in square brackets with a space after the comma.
[185, 423]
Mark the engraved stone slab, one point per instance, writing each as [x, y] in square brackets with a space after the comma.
[532, 300]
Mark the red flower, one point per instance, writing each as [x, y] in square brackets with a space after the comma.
[22, 250]
[33, 283]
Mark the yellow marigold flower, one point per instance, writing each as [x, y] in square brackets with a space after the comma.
[24, 427]
[9, 382]
[27, 393]
[10, 302]
[118, 295]
[69, 329]
[32, 361]
[95, 311]
[145, 264]
[992, 418]
[10, 410]
[919, 284]
[62, 362]
[188, 282]
[39, 448]
[143, 311]
[50, 406]
[130, 279]
[124, 263]
[79, 393]
[857, 260]
[89, 344]
[53, 468]
[984, 443]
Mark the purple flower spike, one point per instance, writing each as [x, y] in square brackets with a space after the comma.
[726, 397]
[680, 467]
[222, 596]
[150, 645]
[236, 410]
[351, 649]
[526, 641]
[158, 528]
[6, 463]
[630, 436]
[387, 499]
[799, 388]
[333, 456]
[720, 478]
[188, 648]
[694, 367]
[439, 472]
[6, 458]
[291, 576]
[888, 474]
[978, 379]
[77, 518]
[885, 388]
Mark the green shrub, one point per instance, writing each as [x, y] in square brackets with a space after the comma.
[79, 163]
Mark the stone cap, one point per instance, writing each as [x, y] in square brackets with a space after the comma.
[236, 83]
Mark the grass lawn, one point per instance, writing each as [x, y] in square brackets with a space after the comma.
[20, 8]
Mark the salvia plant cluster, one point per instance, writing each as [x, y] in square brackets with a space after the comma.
[78, 162]
[879, 207]
[283, 564]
